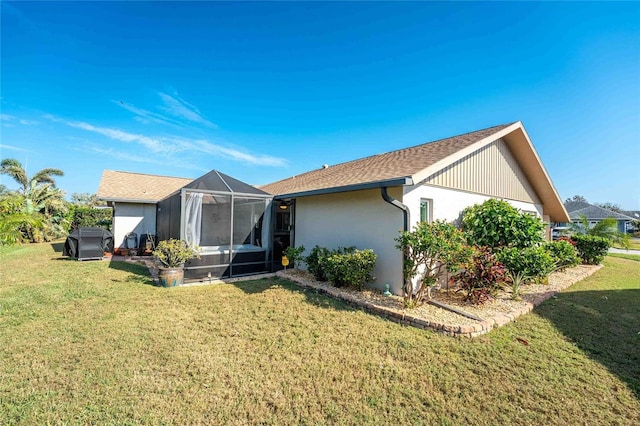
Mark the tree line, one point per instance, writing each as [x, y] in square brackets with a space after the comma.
[37, 211]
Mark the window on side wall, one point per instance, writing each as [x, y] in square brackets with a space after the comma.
[426, 210]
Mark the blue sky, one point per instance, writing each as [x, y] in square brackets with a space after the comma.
[263, 91]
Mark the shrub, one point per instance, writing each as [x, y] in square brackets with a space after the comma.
[294, 254]
[563, 253]
[482, 277]
[532, 262]
[428, 250]
[351, 267]
[315, 262]
[88, 216]
[174, 253]
[496, 223]
[591, 249]
[568, 240]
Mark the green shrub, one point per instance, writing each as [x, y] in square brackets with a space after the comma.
[294, 254]
[591, 249]
[534, 263]
[351, 268]
[88, 216]
[482, 277]
[496, 223]
[174, 253]
[315, 262]
[428, 250]
[563, 253]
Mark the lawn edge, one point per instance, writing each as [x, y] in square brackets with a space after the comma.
[405, 318]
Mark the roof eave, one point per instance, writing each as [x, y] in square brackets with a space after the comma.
[400, 181]
[536, 173]
[128, 200]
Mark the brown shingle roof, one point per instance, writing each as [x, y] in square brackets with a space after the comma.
[391, 165]
[123, 186]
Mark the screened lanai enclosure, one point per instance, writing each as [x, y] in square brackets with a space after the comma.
[227, 220]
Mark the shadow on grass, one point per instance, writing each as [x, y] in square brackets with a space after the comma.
[57, 247]
[603, 324]
[312, 296]
[140, 272]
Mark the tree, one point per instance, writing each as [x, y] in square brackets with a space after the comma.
[36, 211]
[13, 168]
[610, 206]
[86, 199]
[16, 220]
[576, 198]
[428, 250]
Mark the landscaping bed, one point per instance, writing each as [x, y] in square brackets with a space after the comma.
[494, 313]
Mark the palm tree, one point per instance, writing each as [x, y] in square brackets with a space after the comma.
[606, 228]
[34, 212]
[13, 168]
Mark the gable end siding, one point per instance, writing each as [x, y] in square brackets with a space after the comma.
[491, 170]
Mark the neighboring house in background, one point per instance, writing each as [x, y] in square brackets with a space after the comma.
[635, 215]
[367, 202]
[595, 214]
[133, 197]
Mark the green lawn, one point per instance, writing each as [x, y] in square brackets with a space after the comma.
[635, 257]
[634, 244]
[90, 342]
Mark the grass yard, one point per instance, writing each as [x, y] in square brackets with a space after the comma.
[93, 342]
[635, 257]
[634, 244]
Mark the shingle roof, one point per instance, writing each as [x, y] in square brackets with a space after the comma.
[597, 213]
[575, 205]
[127, 186]
[632, 213]
[390, 165]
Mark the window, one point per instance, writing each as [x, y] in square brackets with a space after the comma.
[426, 210]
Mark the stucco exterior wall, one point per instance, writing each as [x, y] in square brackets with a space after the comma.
[356, 218]
[449, 203]
[133, 217]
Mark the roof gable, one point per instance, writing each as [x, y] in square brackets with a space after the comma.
[137, 187]
[217, 181]
[387, 166]
[490, 170]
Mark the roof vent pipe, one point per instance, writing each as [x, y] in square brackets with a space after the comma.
[325, 166]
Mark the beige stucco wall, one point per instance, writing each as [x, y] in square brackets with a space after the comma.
[356, 218]
[133, 217]
[449, 203]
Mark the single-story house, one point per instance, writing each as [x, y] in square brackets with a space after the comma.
[228, 220]
[595, 214]
[635, 215]
[133, 198]
[366, 202]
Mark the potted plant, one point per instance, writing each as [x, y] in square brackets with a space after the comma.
[171, 256]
